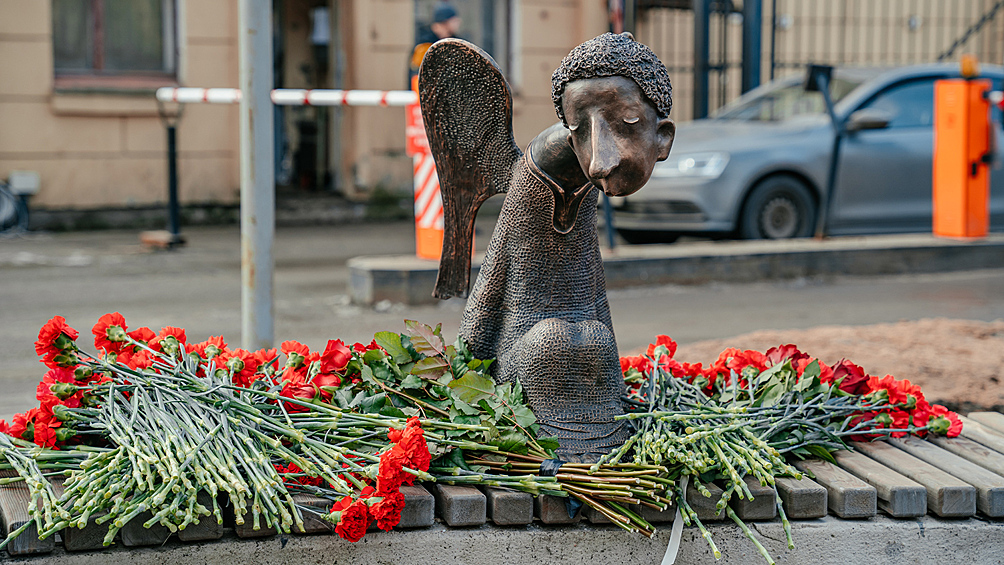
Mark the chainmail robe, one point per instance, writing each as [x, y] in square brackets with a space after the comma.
[539, 307]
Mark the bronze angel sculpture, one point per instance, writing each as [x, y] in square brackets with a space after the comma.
[539, 304]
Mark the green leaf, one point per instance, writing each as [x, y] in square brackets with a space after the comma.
[548, 443]
[412, 381]
[524, 417]
[772, 395]
[343, 398]
[425, 339]
[812, 369]
[465, 408]
[392, 411]
[374, 356]
[373, 403]
[431, 368]
[392, 343]
[474, 364]
[821, 452]
[513, 440]
[367, 375]
[410, 347]
[472, 387]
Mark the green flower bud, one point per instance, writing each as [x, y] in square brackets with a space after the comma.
[82, 373]
[64, 342]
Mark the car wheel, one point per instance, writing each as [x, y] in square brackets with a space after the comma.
[647, 236]
[780, 207]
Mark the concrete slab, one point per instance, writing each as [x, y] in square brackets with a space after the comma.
[408, 280]
[879, 541]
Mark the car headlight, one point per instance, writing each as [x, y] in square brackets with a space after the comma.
[695, 165]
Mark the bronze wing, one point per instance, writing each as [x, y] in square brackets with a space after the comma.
[467, 110]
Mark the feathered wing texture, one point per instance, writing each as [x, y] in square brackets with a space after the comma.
[467, 110]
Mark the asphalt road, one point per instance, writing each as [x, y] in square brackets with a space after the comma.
[84, 275]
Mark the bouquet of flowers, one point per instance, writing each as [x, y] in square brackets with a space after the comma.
[149, 421]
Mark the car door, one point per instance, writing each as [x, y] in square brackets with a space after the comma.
[884, 175]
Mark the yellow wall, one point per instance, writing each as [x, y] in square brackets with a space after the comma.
[108, 149]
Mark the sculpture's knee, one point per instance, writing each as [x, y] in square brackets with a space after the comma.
[570, 373]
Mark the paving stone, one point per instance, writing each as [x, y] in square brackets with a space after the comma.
[507, 507]
[846, 495]
[246, 530]
[594, 516]
[312, 523]
[947, 496]
[802, 499]
[14, 500]
[898, 496]
[419, 508]
[554, 510]
[88, 538]
[207, 528]
[762, 507]
[460, 505]
[989, 486]
[706, 508]
[135, 535]
[654, 516]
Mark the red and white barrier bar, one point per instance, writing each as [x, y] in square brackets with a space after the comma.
[292, 96]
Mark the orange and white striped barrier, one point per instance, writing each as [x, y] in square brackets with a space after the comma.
[292, 96]
[428, 200]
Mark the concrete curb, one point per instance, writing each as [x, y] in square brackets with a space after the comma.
[408, 280]
[879, 541]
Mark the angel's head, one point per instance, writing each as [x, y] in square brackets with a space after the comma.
[614, 96]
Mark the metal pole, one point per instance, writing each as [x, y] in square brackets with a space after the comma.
[257, 173]
[174, 224]
[702, 52]
[752, 43]
[826, 200]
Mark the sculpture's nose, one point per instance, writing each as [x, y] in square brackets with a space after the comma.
[605, 155]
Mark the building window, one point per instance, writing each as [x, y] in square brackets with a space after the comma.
[114, 38]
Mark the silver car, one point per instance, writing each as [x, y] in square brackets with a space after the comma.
[756, 169]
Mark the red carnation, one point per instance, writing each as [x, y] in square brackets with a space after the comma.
[944, 422]
[354, 521]
[53, 339]
[662, 340]
[110, 333]
[387, 512]
[296, 353]
[391, 475]
[142, 335]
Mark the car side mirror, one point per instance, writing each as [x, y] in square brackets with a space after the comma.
[868, 118]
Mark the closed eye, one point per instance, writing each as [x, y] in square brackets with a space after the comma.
[631, 120]
[573, 127]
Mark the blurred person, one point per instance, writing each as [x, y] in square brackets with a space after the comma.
[445, 24]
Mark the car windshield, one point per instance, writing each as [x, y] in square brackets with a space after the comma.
[785, 102]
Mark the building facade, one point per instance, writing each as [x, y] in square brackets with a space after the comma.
[77, 79]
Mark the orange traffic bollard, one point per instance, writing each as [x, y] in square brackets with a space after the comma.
[961, 172]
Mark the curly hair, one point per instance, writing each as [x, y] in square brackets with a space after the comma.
[610, 55]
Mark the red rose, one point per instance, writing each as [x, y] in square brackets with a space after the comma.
[298, 389]
[110, 333]
[335, 357]
[855, 381]
[387, 512]
[782, 353]
[360, 348]
[354, 521]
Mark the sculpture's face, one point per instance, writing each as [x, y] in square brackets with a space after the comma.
[615, 132]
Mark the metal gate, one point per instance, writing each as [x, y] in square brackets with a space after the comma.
[798, 32]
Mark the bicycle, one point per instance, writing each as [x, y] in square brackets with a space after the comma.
[13, 212]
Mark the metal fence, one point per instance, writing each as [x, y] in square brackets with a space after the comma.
[798, 32]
